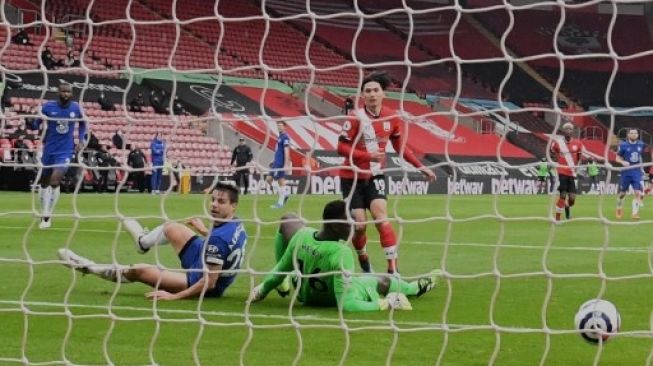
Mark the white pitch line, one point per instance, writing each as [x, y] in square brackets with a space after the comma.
[428, 243]
[390, 324]
[207, 313]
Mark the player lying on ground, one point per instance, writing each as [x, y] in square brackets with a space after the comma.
[327, 263]
[211, 264]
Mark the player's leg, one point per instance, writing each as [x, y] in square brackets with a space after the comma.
[571, 200]
[637, 187]
[144, 273]
[50, 186]
[359, 239]
[156, 277]
[413, 288]
[45, 194]
[571, 196]
[171, 232]
[276, 178]
[84, 265]
[562, 198]
[354, 196]
[284, 191]
[623, 188]
[387, 236]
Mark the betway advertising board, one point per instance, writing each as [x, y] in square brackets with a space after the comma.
[516, 177]
[513, 177]
[397, 186]
[466, 178]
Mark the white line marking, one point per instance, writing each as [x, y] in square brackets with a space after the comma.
[597, 248]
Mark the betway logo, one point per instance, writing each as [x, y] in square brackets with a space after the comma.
[262, 187]
[407, 186]
[464, 187]
[514, 186]
[331, 185]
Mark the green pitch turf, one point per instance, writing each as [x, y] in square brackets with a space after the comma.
[509, 277]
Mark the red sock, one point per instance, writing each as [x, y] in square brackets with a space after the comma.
[359, 241]
[389, 244]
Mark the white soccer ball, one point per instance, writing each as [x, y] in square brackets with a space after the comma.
[597, 320]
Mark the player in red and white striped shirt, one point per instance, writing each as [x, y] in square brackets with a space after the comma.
[363, 143]
[568, 151]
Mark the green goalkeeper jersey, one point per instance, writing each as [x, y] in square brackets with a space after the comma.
[312, 257]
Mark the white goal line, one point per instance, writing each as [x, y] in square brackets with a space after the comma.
[366, 324]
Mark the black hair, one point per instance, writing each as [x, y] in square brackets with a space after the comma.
[230, 188]
[335, 210]
[379, 77]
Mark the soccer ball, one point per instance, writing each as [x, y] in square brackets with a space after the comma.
[597, 320]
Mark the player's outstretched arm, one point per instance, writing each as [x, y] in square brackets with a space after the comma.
[410, 157]
[274, 279]
[207, 283]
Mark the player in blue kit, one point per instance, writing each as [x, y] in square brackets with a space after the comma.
[629, 154]
[281, 166]
[59, 146]
[211, 261]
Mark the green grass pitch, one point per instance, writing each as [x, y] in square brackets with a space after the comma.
[49, 313]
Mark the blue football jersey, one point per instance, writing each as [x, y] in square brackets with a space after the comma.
[280, 153]
[632, 153]
[59, 134]
[226, 246]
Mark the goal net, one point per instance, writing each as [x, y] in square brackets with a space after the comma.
[481, 91]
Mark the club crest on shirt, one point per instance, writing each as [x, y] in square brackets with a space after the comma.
[386, 126]
[62, 127]
[72, 114]
[574, 148]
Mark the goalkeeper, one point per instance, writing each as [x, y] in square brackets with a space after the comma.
[326, 263]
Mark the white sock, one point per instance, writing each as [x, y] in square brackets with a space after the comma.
[154, 237]
[390, 252]
[45, 195]
[109, 272]
[635, 206]
[620, 202]
[54, 198]
[282, 195]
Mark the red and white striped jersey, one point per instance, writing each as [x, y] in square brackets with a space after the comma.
[363, 134]
[569, 153]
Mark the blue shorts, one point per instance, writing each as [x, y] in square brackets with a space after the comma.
[192, 258]
[61, 159]
[278, 173]
[628, 180]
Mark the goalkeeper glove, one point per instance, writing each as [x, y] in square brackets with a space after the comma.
[256, 294]
[396, 301]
